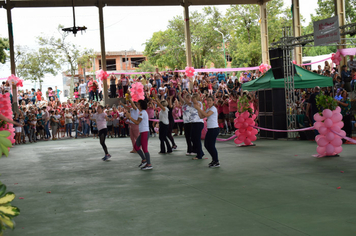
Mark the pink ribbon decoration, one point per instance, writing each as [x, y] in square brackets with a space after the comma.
[315, 62]
[344, 137]
[336, 58]
[3, 78]
[281, 131]
[101, 74]
[263, 67]
[157, 120]
[189, 71]
[228, 139]
[347, 51]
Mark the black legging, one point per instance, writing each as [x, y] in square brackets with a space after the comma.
[112, 91]
[169, 134]
[187, 134]
[163, 129]
[152, 130]
[196, 139]
[102, 136]
[347, 125]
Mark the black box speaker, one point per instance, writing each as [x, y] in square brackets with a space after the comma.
[276, 59]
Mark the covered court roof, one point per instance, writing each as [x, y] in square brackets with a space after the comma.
[90, 3]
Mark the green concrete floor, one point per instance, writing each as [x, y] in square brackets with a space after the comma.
[276, 188]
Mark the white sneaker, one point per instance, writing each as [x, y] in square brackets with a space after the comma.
[187, 154]
[193, 154]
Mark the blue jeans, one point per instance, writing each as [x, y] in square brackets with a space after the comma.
[86, 129]
[48, 134]
[209, 143]
[69, 129]
[158, 83]
[76, 129]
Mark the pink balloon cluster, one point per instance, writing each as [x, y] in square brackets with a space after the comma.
[189, 71]
[245, 133]
[13, 80]
[137, 92]
[336, 58]
[329, 143]
[263, 67]
[6, 110]
[101, 74]
[294, 62]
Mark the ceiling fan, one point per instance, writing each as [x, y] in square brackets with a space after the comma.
[74, 29]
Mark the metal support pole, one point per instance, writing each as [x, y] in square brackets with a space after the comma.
[12, 56]
[340, 12]
[103, 52]
[188, 48]
[264, 33]
[297, 31]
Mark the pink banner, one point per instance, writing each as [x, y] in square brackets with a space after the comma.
[347, 51]
[344, 137]
[157, 120]
[224, 140]
[3, 78]
[307, 64]
[223, 69]
[281, 131]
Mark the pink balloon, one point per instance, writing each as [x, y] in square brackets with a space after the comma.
[248, 133]
[336, 117]
[245, 125]
[318, 137]
[246, 114]
[335, 128]
[252, 138]
[237, 141]
[322, 142]
[241, 119]
[237, 133]
[328, 122]
[337, 142]
[247, 141]
[329, 150]
[338, 149]
[254, 117]
[340, 124]
[337, 110]
[320, 150]
[241, 138]
[254, 131]
[342, 133]
[323, 130]
[242, 130]
[318, 117]
[237, 125]
[249, 121]
[318, 124]
[327, 113]
[237, 115]
[330, 136]
[249, 128]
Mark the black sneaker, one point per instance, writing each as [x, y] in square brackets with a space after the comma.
[147, 168]
[106, 157]
[211, 164]
[215, 165]
[143, 164]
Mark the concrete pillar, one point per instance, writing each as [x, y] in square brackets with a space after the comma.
[340, 12]
[188, 48]
[264, 33]
[297, 31]
[103, 52]
[12, 55]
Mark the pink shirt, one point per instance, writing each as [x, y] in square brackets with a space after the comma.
[100, 120]
[150, 112]
[232, 105]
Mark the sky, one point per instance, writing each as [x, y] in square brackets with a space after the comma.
[125, 27]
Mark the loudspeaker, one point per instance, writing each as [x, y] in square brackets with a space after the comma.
[276, 59]
[272, 112]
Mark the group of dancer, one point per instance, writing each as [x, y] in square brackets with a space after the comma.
[193, 118]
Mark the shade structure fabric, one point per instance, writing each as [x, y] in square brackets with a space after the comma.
[302, 79]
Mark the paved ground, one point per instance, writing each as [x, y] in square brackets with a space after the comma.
[276, 188]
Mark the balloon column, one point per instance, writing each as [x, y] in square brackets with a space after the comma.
[6, 110]
[137, 92]
[101, 74]
[189, 71]
[245, 133]
[13, 80]
[263, 68]
[329, 144]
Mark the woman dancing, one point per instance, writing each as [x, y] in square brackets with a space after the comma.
[213, 130]
[142, 140]
[100, 117]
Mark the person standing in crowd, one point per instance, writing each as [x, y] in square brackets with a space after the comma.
[100, 119]
[345, 105]
[83, 90]
[211, 114]
[197, 127]
[68, 122]
[133, 127]
[163, 126]
[57, 93]
[112, 79]
[186, 109]
[157, 79]
[142, 140]
[312, 107]
[171, 122]
[125, 84]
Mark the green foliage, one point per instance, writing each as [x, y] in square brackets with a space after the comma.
[244, 105]
[3, 123]
[4, 143]
[4, 45]
[34, 65]
[7, 211]
[325, 102]
[146, 66]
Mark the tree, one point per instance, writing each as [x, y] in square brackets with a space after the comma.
[167, 48]
[4, 45]
[34, 65]
[146, 66]
[67, 52]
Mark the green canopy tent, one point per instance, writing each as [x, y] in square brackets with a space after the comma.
[302, 79]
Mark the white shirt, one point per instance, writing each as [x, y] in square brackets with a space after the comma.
[233, 78]
[194, 115]
[185, 83]
[143, 126]
[82, 88]
[163, 116]
[134, 114]
[100, 120]
[186, 113]
[212, 121]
